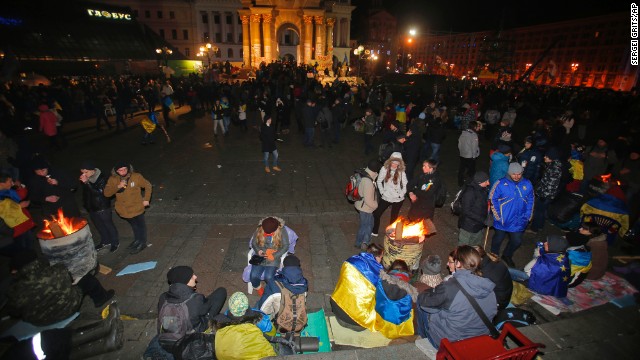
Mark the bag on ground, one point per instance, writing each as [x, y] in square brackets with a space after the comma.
[195, 346]
[517, 317]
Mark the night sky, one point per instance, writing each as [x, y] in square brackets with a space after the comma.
[464, 16]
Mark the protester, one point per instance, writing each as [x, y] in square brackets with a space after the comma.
[367, 205]
[474, 210]
[469, 148]
[270, 242]
[268, 139]
[423, 191]
[52, 189]
[392, 184]
[99, 206]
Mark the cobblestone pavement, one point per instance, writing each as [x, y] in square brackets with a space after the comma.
[207, 202]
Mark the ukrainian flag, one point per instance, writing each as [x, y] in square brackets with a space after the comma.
[357, 291]
[580, 261]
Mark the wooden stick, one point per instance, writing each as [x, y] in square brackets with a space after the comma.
[56, 230]
[486, 237]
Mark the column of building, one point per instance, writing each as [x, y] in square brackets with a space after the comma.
[308, 34]
[266, 34]
[256, 48]
[330, 23]
[319, 36]
[246, 42]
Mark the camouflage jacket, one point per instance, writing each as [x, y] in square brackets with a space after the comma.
[43, 294]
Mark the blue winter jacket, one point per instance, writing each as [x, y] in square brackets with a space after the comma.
[499, 167]
[511, 204]
[290, 277]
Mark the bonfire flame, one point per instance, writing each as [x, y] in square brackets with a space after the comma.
[605, 178]
[60, 226]
[409, 230]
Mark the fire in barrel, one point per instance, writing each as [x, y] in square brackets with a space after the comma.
[404, 241]
[69, 241]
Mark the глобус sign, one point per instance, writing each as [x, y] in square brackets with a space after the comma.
[108, 14]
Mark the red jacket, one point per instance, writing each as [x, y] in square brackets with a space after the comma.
[48, 121]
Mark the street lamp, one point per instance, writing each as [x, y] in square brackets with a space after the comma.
[205, 50]
[164, 52]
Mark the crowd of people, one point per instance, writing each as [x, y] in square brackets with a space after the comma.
[540, 150]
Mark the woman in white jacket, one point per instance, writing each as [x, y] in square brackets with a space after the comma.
[392, 185]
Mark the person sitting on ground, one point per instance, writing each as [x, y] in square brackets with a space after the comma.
[394, 301]
[87, 341]
[590, 234]
[431, 276]
[182, 287]
[237, 335]
[42, 294]
[445, 311]
[14, 213]
[271, 241]
[290, 277]
[550, 269]
[496, 271]
[353, 299]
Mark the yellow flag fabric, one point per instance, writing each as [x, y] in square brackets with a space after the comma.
[242, 342]
[11, 213]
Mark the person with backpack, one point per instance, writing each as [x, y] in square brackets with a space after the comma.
[182, 310]
[367, 204]
[286, 291]
[423, 191]
[392, 185]
[474, 210]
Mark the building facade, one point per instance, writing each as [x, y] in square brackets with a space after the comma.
[591, 52]
[248, 32]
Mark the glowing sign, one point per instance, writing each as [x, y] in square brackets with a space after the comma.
[108, 14]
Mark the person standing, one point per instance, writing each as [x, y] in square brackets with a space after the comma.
[367, 205]
[128, 187]
[325, 119]
[268, 138]
[469, 151]
[547, 188]
[217, 114]
[309, 116]
[392, 184]
[512, 200]
[226, 114]
[474, 210]
[338, 114]
[369, 130]
[423, 191]
[167, 103]
[99, 207]
[53, 190]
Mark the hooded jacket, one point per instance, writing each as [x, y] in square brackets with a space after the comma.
[511, 204]
[549, 185]
[451, 315]
[499, 167]
[468, 144]
[93, 198]
[390, 191]
[129, 199]
[290, 277]
[367, 189]
[198, 306]
[474, 210]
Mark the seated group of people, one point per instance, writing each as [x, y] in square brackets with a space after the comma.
[369, 297]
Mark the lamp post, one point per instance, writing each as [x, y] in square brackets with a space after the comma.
[205, 50]
[164, 52]
[574, 68]
[361, 54]
[358, 53]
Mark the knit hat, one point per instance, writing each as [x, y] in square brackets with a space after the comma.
[556, 243]
[504, 148]
[396, 155]
[529, 139]
[291, 260]
[515, 168]
[431, 268]
[179, 274]
[39, 163]
[480, 177]
[553, 154]
[121, 164]
[88, 165]
[238, 304]
[396, 123]
[270, 225]
[374, 165]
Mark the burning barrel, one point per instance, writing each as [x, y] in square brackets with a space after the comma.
[69, 241]
[404, 241]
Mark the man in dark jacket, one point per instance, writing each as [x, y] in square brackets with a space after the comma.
[309, 116]
[474, 210]
[547, 188]
[412, 148]
[290, 277]
[52, 189]
[98, 206]
[338, 113]
[182, 287]
[423, 191]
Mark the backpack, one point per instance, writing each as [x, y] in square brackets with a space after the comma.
[292, 316]
[456, 204]
[517, 317]
[441, 196]
[173, 323]
[351, 191]
[195, 346]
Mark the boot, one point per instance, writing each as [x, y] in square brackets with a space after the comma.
[137, 249]
[112, 341]
[95, 331]
[266, 169]
[133, 245]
